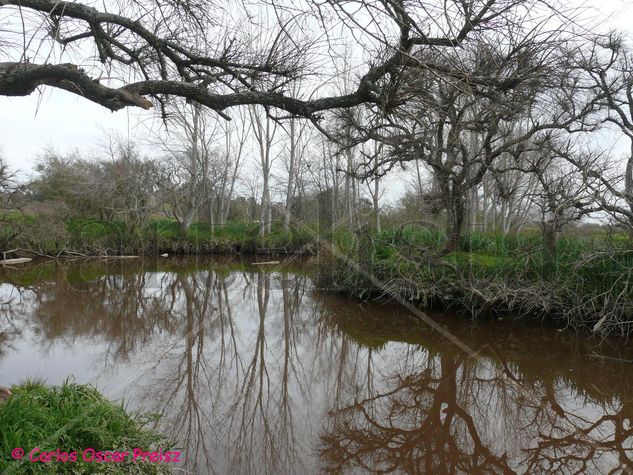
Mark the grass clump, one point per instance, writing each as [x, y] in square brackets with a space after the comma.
[72, 417]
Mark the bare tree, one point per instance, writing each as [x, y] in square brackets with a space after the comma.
[264, 130]
[193, 169]
[607, 77]
[296, 150]
[459, 139]
[7, 183]
[561, 196]
[460, 130]
[513, 189]
[193, 50]
[235, 138]
[373, 184]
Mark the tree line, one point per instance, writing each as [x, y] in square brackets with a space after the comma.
[497, 113]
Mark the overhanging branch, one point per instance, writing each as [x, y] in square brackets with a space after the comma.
[21, 79]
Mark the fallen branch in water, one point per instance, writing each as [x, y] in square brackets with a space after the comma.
[4, 253]
[61, 255]
[19, 260]
[79, 254]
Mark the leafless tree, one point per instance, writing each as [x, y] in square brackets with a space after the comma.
[512, 188]
[297, 145]
[607, 77]
[232, 154]
[193, 168]
[7, 183]
[561, 196]
[264, 129]
[194, 50]
[465, 128]
[373, 184]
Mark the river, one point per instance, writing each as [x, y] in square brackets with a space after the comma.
[255, 370]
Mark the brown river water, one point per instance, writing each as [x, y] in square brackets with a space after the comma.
[254, 370]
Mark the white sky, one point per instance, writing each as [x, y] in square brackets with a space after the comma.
[60, 120]
[65, 122]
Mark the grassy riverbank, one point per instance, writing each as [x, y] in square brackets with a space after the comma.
[95, 237]
[73, 418]
[587, 284]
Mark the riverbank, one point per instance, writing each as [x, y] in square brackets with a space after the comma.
[37, 420]
[587, 284]
[30, 235]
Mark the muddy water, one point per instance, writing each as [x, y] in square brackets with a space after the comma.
[256, 371]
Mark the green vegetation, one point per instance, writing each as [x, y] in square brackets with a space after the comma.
[584, 282]
[92, 236]
[587, 283]
[73, 418]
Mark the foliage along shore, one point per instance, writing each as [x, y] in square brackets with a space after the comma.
[32, 236]
[586, 283]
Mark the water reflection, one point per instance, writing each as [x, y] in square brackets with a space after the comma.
[254, 371]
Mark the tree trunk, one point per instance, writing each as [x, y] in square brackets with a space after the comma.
[504, 207]
[262, 210]
[349, 192]
[454, 222]
[550, 237]
[186, 221]
[211, 222]
[269, 216]
[474, 208]
[291, 175]
[376, 209]
[484, 211]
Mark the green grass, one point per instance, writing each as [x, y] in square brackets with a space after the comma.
[72, 417]
[88, 229]
[476, 261]
[93, 236]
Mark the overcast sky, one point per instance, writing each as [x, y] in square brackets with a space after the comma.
[65, 122]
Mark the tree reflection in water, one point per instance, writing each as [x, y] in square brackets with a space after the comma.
[230, 396]
[443, 412]
[254, 371]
